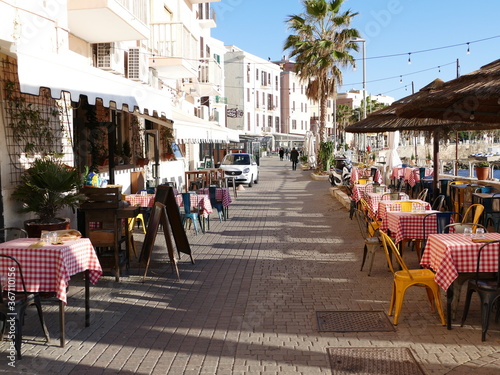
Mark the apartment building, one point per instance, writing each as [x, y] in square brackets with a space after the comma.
[105, 77]
[252, 86]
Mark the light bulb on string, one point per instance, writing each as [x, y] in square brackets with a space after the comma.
[439, 69]
[409, 58]
[468, 48]
[400, 79]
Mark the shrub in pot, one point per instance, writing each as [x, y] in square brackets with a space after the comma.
[482, 170]
[46, 188]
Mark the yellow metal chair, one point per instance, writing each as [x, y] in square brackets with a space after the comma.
[409, 277]
[375, 223]
[477, 209]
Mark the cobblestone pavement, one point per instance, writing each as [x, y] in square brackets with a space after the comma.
[248, 305]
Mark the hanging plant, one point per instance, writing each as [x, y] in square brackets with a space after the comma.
[166, 139]
[34, 127]
[137, 131]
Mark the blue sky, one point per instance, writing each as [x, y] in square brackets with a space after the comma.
[390, 27]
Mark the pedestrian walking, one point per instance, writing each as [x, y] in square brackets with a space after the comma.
[294, 157]
[287, 154]
[282, 153]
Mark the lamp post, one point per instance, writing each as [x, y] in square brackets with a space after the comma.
[361, 40]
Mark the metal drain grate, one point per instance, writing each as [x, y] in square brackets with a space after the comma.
[353, 321]
[373, 361]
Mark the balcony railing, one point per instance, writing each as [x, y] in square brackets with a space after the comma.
[139, 8]
[210, 72]
[173, 40]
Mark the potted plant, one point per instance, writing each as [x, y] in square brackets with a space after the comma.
[46, 188]
[482, 170]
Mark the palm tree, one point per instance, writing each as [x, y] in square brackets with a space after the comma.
[343, 115]
[320, 42]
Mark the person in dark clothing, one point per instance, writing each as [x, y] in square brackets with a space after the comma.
[282, 153]
[294, 158]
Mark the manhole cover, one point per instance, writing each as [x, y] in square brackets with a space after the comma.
[373, 361]
[353, 321]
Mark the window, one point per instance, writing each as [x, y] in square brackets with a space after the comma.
[264, 79]
[256, 121]
[270, 102]
[293, 87]
[256, 99]
[248, 121]
[256, 74]
[248, 73]
[294, 124]
[276, 82]
[248, 94]
[277, 124]
[305, 105]
[293, 105]
[270, 122]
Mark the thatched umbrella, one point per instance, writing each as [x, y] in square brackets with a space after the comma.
[472, 98]
[387, 120]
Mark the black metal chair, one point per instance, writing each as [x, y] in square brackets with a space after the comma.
[21, 300]
[443, 219]
[12, 233]
[438, 203]
[487, 288]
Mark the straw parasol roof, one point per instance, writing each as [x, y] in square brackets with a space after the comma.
[473, 98]
[387, 119]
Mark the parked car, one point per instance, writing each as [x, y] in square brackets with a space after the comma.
[241, 166]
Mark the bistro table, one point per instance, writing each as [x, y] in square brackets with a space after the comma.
[221, 194]
[451, 254]
[197, 200]
[410, 225]
[48, 268]
[386, 206]
[374, 199]
[146, 200]
[359, 189]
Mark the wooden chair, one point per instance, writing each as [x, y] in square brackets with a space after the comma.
[101, 207]
[487, 288]
[14, 304]
[409, 277]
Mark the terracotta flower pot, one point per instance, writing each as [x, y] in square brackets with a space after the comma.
[482, 173]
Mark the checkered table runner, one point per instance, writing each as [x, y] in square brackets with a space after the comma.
[409, 225]
[450, 254]
[49, 268]
[221, 194]
[197, 200]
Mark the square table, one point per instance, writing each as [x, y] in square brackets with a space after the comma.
[197, 200]
[146, 200]
[374, 199]
[358, 190]
[450, 254]
[221, 194]
[409, 225]
[386, 206]
[50, 267]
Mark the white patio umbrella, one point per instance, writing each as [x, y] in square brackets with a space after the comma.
[393, 159]
[310, 149]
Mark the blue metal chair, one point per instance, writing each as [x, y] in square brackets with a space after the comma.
[216, 204]
[189, 214]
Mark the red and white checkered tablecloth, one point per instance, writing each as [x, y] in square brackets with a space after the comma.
[398, 173]
[358, 191]
[197, 200]
[387, 205]
[221, 194]
[49, 268]
[451, 254]
[374, 199]
[140, 200]
[414, 175]
[410, 225]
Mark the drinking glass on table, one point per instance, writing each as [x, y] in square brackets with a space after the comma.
[480, 233]
[468, 232]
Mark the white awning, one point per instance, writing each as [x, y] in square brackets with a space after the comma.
[71, 73]
[191, 129]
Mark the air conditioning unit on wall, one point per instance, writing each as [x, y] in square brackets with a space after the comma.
[138, 69]
[110, 56]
